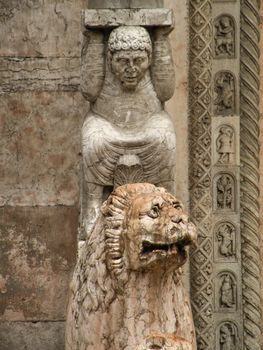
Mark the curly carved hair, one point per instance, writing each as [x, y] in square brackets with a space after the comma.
[130, 38]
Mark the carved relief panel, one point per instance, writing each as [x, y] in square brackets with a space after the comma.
[226, 292]
[227, 336]
[224, 192]
[224, 37]
[225, 242]
[225, 96]
[225, 145]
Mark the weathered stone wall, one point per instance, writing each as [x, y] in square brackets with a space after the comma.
[41, 115]
[40, 119]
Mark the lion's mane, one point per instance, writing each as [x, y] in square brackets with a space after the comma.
[111, 301]
[101, 272]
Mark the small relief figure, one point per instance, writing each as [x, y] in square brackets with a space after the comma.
[225, 146]
[227, 292]
[225, 192]
[227, 337]
[225, 91]
[224, 37]
[225, 236]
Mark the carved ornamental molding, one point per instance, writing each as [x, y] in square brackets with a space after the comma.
[201, 264]
[224, 175]
[249, 151]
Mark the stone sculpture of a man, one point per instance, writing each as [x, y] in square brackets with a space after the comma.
[127, 136]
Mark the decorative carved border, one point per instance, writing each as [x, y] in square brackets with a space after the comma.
[249, 152]
[200, 115]
[200, 168]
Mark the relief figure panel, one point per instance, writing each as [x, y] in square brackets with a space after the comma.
[225, 145]
[227, 336]
[225, 242]
[224, 37]
[225, 94]
[226, 292]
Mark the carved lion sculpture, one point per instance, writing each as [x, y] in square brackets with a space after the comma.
[165, 342]
[127, 283]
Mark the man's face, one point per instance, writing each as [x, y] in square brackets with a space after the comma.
[129, 66]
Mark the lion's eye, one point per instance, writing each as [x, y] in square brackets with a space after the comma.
[154, 212]
[177, 205]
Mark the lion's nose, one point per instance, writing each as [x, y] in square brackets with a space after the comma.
[177, 219]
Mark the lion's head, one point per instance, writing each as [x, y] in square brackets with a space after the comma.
[140, 227]
[145, 227]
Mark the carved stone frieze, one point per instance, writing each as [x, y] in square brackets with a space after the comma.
[224, 37]
[234, 169]
[224, 87]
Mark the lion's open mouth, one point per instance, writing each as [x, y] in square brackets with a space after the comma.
[149, 247]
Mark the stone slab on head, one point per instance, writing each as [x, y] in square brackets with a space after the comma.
[100, 4]
[101, 18]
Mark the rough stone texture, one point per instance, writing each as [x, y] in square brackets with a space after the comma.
[164, 342]
[36, 260]
[127, 280]
[125, 3]
[40, 148]
[114, 18]
[32, 335]
[39, 74]
[40, 28]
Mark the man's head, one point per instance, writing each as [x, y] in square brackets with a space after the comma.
[129, 54]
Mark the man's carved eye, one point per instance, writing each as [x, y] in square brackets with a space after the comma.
[139, 60]
[122, 60]
[154, 212]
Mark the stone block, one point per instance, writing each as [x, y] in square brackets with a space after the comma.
[39, 74]
[116, 17]
[40, 28]
[37, 255]
[96, 4]
[40, 148]
[32, 336]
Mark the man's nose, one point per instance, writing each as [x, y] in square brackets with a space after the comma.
[131, 63]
